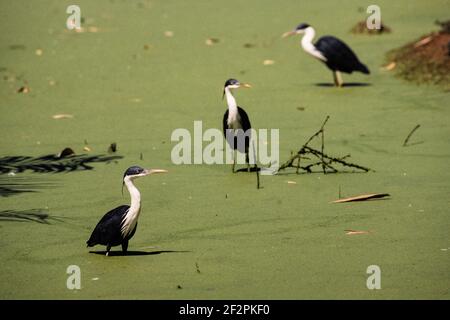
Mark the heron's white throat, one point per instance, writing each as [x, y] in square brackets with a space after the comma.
[232, 121]
[130, 220]
[308, 46]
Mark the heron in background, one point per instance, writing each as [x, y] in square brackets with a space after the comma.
[330, 50]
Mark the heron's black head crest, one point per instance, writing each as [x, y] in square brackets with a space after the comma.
[131, 171]
[302, 26]
[229, 82]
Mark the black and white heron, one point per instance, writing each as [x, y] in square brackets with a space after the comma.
[236, 124]
[330, 50]
[119, 225]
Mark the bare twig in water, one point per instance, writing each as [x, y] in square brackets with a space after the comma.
[322, 159]
[410, 134]
[256, 166]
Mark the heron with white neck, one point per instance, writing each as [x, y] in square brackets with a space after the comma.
[337, 56]
[236, 124]
[119, 225]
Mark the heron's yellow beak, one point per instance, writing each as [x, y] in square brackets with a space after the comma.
[152, 171]
[287, 34]
[245, 85]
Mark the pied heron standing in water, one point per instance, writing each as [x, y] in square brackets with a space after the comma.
[330, 50]
[119, 225]
[236, 124]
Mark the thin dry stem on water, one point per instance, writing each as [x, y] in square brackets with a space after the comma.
[256, 168]
[322, 159]
[405, 143]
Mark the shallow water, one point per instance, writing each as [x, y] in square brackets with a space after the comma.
[202, 228]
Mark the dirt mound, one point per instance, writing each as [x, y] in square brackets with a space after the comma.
[426, 60]
[361, 28]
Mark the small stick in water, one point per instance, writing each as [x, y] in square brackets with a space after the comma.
[410, 134]
[256, 166]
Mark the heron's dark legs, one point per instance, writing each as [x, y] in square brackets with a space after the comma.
[247, 162]
[337, 79]
[234, 162]
[108, 248]
[125, 246]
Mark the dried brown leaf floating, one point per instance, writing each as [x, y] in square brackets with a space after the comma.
[363, 197]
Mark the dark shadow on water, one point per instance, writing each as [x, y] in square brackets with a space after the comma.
[414, 143]
[252, 169]
[32, 215]
[11, 186]
[291, 171]
[346, 84]
[134, 253]
[388, 198]
[52, 163]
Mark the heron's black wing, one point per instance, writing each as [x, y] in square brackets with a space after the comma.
[108, 228]
[246, 125]
[225, 123]
[339, 56]
[233, 139]
[244, 119]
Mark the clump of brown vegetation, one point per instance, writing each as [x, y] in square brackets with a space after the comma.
[425, 60]
[361, 28]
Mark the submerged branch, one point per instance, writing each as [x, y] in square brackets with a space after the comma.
[325, 161]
